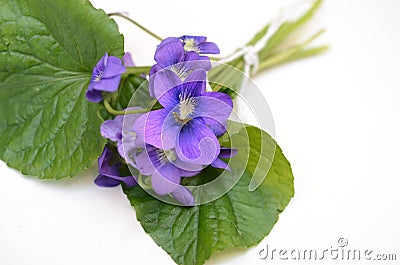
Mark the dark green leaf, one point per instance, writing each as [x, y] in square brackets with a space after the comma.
[238, 219]
[47, 52]
[127, 89]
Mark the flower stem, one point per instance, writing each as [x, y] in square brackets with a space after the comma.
[136, 24]
[288, 54]
[152, 103]
[123, 112]
[138, 70]
[291, 55]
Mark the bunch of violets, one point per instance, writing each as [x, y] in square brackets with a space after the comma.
[173, 142]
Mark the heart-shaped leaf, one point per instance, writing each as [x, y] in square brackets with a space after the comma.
[47, 52]
[240, 218]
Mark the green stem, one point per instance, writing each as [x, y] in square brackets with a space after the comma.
[291, 56]
[99, 115]
[138, 70]
[122, 112]
[136, 24]
[287, 55]
[152, 103]
[275, 60]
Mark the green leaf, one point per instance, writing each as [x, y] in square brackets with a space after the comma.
[309, 52]
[240, 218]
[295, 52]
[286, 29]
[127, 88]
[47, 52]
[139, 95]
[226, 78]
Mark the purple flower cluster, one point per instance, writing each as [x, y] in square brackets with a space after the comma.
[181, 138]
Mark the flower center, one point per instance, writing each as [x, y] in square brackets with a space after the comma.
[180, 70]
[186, 107]
[191, 45]
[128, 136]
[98, 76]
[165, 156]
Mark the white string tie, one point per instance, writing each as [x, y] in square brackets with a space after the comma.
[289, 12]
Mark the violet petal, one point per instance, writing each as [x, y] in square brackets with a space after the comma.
[107, 84]
[104, 181]
[215, 105]
[226, 152]
[197, 143]
[169, 52]
[208, 48]
[166, 179]
[112, 129]
[183, 195]
[94, 96]
[127, 60]
[165, 83]
[218, 163]
[159, 128]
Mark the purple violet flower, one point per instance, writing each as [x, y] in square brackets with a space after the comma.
[109, 170]
[105, 77]
[124, 136]
[187, 120]
[127, 60]
[170, 54]
[199, 45]
[166, 171]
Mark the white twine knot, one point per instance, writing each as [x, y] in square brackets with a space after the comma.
[251, 60]
[250, 57]
[290, 11]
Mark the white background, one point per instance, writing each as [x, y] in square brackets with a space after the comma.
[336, 117]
